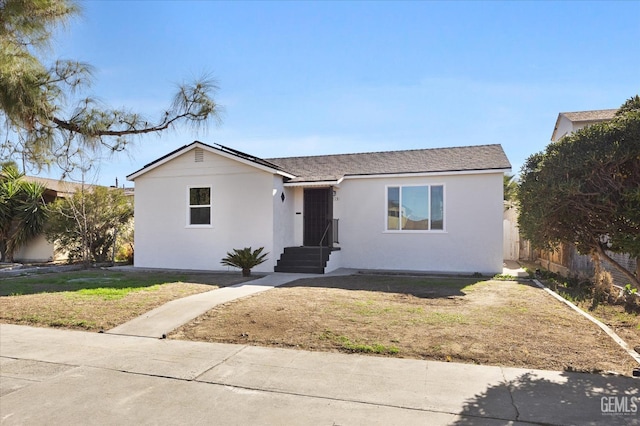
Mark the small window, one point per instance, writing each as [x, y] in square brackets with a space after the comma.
[415, 208]
[199, 206]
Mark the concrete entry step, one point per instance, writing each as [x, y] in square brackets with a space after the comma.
[309, 260]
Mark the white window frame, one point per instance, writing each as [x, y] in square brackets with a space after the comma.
[190, 206]
[415, 231]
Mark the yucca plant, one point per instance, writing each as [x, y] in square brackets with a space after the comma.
[22, 210]
[245, 259]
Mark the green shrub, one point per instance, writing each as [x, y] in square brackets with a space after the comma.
[630, 298]
[245, 259]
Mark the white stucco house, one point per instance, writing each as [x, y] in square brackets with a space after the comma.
[420, 210]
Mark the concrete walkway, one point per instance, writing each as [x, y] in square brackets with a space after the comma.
[163, 319]
[513, 268]
[51, 377]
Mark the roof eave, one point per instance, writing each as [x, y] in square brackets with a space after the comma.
[434, 173]
[285, 174]
[310, 183]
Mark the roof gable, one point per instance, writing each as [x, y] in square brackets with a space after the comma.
[222, 151]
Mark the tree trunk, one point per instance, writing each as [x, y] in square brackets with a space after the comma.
[246, 272]
[634, 280]
[7, 252]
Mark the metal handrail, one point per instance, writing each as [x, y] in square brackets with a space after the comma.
[322, 239]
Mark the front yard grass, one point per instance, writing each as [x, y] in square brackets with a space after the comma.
[96, 299]
[454, 319]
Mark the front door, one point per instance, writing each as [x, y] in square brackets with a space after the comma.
[318, 213]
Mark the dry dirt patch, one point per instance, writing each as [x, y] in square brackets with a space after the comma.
[624, 324]
[485, 322]
[97, 299]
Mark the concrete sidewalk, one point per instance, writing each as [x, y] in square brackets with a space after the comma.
[50, 376]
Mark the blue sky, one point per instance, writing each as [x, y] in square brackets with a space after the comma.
[307, 78]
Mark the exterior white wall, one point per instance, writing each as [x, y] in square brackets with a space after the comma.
[298, 221]
[335, 261]
[565, 126]
[471, 241]
[283, 218]
[242, 213]
[36, 250]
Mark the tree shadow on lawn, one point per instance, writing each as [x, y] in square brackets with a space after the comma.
[105, 278]
[548, 397]
[423, 287]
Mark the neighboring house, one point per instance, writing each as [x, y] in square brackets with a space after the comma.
[38, 249]
[569, 122]
[423, 210]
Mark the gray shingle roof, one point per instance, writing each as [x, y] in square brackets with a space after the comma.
[334, 167]
[322, 168]
[595, 115]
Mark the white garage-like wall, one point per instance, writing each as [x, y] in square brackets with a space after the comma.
[242, 212]
[38, 249]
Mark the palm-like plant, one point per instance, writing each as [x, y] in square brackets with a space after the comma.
[22, 210]
[510, 191]
[245, 259]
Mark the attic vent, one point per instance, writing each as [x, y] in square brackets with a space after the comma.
[199, 155]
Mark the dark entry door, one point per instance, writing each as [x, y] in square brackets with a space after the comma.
[318, 213]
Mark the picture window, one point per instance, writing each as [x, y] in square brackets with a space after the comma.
[415, 208]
